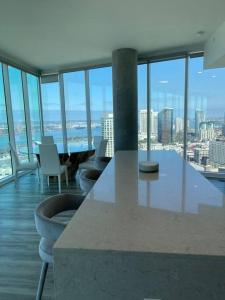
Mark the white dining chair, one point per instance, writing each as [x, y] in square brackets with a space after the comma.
[100, 146]
[47, 139]
[93, 162]
[19, 166]
[97, 140]
[50, 164]
[96, 143]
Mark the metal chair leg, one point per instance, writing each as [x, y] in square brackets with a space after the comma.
[41, 283]
[38, 174]
[42, 183]
[78, 177]
[16, 176]
[59, 183]
[67, 179]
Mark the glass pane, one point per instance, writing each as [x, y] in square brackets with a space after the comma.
[167, 105]
[206, 130]
[75, 106]
[19, 120]
[52, 111]
[32, 85]
[5, 158]
[102, 105]
[142, 107]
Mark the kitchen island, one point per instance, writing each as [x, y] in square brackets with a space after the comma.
[144, 236]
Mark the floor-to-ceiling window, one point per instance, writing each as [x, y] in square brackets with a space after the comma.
[51, 107]
[19, 115]
[33, 97]
[167, 104]
[205, 111]
[87, 102]
[16, 90]
[206, 116]
[75, 109]
[161, 101]
[142, 107]
[5, 158]
[89, 110]
[101, 105]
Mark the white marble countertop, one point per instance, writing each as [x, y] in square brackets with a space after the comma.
[174, 211]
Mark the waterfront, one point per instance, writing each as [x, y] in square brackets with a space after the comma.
[77, 136]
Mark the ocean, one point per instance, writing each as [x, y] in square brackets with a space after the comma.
[71, 133]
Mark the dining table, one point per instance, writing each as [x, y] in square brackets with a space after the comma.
[72, 156]
[142, 236]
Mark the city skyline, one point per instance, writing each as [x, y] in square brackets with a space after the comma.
[206, 94]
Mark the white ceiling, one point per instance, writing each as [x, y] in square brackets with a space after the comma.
[56, 34]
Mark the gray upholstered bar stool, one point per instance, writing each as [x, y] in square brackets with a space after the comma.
[102, 162]
[50, 229]
[88, 179]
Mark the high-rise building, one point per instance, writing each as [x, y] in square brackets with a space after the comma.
[165, 126]
[207, 131]
[179, 125]
[108, 133]
[143, 123]
[217, 152]
[201, 155]
[223, 129]
[199, 118]
[223, 126]
[154, 124]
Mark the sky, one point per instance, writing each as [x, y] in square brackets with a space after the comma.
[206, 90]
[206, 87]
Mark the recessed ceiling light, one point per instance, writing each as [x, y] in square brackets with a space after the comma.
[163, 81]
[199, 72]
[200, 32]
[213, 76]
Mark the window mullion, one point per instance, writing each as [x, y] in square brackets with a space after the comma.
[27, 114]
[88, 108]
[63, 112]
[8, 105]
[40, 107]
[186, 105]
[148, 108]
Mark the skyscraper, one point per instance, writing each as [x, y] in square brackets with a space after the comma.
[223, 126]
[207, 131]
[179, 125]
[154, 124]
[108, 133]
[217, 152]
[165, 126]
[199, 118]
[223, 129]
[143, 123]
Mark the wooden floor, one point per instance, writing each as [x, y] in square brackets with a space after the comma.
[19, 260]
[20, 263]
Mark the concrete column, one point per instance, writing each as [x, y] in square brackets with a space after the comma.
[125, 105]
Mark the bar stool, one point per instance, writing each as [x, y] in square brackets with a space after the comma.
[50, 229]
[88, 179]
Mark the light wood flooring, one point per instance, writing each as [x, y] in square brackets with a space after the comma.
[20, 263]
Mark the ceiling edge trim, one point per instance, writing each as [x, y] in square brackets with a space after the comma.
[143, 57]
[18, 63]
[171, 53]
